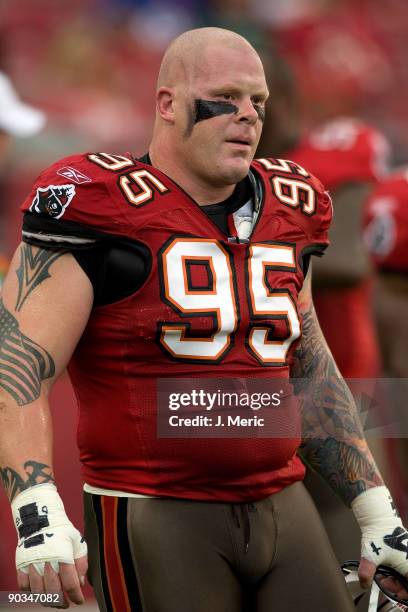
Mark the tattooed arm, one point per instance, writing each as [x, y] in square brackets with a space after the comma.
[333, 440]
[333, 444]
[44, 308]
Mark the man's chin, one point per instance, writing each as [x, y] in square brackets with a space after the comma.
[236, 170]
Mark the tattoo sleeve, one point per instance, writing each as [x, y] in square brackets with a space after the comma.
[24, 364]
[333, 441]
[34, 473]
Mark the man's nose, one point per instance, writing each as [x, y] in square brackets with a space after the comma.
[247, 112]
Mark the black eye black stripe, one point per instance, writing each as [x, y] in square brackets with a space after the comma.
[206, 109]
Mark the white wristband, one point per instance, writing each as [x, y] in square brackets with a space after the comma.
[375, 507]
[44, 530]
[384, 538]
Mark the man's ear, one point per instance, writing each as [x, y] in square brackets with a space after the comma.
[165, 103]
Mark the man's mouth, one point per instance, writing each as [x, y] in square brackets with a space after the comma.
[239, 141]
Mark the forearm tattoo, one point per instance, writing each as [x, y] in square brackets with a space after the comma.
[35, 473]
[333, 439]
[24, 364]
[33, 270]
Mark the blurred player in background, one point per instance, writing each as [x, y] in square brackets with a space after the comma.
[17, 120]
[386, 236]
[349, 157]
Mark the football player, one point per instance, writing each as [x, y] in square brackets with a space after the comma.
[191, 261]
[386, 236]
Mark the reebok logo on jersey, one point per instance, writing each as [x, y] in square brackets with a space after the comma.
[74, 175]
[53, 200]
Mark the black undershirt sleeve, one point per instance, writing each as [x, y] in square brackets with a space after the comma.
[115, 270]
[116, 266]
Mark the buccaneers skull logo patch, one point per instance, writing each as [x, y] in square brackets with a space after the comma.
[53, 200]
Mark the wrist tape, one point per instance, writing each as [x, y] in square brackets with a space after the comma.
[44, 531]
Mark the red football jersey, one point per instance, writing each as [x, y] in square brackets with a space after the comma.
[386, 223]
[340, 152]
[211, 307]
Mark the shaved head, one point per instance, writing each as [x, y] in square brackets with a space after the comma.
[184, 56]
[210, 107]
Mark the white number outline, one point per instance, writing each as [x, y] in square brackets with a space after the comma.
[281, 257]
[277, 256]
[147, 193]
[295, 185]
[282, 165]
[111, 162]
[171, 329]
[293, 200]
